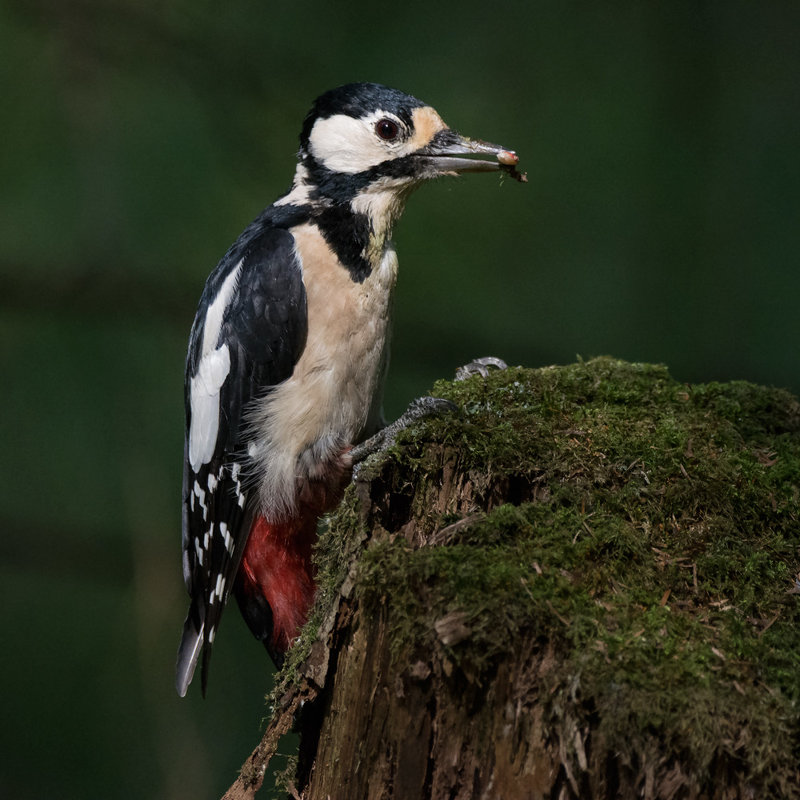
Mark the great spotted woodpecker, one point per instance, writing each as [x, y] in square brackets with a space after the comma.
[287, 356]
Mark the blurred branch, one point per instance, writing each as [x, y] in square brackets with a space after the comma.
[91, 290]
[98, 557]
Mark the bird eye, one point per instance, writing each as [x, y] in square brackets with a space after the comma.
[387, 129]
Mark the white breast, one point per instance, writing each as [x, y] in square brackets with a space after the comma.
[333, 397]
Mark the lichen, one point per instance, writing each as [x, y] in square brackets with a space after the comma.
[648, 530]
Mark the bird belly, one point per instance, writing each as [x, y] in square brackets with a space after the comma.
[305, 426]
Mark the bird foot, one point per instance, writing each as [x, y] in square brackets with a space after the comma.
[418, 409]
[480, 366]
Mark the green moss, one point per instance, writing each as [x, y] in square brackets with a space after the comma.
[652, 538]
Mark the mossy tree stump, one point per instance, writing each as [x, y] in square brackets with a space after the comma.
[582, 585]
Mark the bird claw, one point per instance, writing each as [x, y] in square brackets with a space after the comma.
[480, 366]
[425, 407]
[418, 409]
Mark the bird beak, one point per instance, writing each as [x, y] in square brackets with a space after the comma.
[449, 153]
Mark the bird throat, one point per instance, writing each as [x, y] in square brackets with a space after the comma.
[360, 232]
[380, 207]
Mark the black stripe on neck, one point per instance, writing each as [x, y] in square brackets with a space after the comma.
[347, 234]
[342, 187]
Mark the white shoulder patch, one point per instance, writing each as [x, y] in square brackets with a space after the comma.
[213, 368]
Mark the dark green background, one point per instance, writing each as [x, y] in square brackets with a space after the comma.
[661, 223]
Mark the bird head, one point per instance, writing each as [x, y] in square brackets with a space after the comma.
[368, 146]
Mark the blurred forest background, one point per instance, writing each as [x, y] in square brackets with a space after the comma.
[661, 223]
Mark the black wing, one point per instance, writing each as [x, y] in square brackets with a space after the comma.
[248, 334]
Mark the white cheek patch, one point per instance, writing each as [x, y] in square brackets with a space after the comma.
[349, 145]
[205, 385]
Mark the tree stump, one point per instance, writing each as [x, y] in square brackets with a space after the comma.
[583, 584]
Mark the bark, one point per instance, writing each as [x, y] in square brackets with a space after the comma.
[584, 585]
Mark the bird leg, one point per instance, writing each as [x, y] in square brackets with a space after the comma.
[418, 409]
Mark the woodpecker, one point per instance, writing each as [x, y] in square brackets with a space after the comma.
[287, 356]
